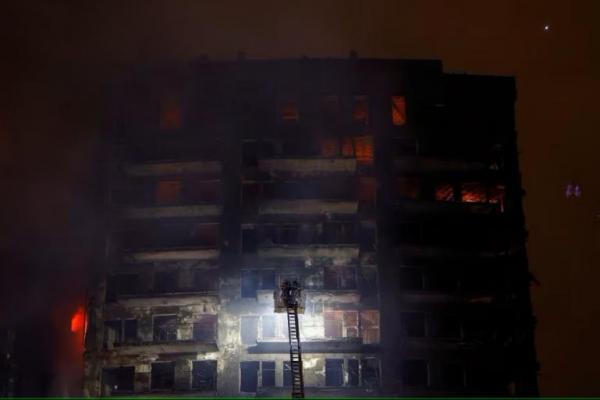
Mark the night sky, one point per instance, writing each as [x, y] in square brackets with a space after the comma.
[58, 55]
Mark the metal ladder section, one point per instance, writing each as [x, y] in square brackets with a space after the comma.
[295, 353]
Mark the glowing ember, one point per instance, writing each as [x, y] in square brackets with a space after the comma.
[78, 320]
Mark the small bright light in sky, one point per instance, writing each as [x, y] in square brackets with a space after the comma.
[546, 28]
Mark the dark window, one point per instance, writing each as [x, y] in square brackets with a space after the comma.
[165, 281]
[370, 372]
[353, 372]
[343, 278]
[118, 379]
[334, 372]
[249, 330]
[410, 279]
[452, 375]
[409, 232]
[287, 374]
[407, 188]
[249, 240]
[447, 326]
[268, 279]
[163, 375]
[205, 281]
[268, 373]
[204, 375]
[113, 333]
[442, 280]
[248, 376]
[171, 114]
[412, 324]
[205, 329]
[250, 154]
[165, 328]
[168, 192]
[268, 327]
[130, 330]
[414, 373]
[250, 283]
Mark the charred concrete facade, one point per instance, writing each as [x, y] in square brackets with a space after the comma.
[389, 189]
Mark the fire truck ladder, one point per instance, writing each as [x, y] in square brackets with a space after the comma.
[295, 352]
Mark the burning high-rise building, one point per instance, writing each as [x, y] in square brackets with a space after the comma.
[388, 189]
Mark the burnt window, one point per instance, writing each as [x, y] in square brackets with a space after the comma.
[334, 372]
[452, 375]
[117, 380]
[268, 373]
[369, 322]
[398, 104]
[412, 324]
[287, 374]
[496, 195]
[367, 190]
[442, 280]
[410, 279]
[165, 328]
[268, 326]
[370, 372]
[249, 330]
[205, 281]
[414, 373]
[407, 188]
[162, 375]
[250, 154]
[168, 192]
[204, 375]
[249, 240]
[343, 278]
[112, 332]
[368, 286]
[409, 232]
[352, 372]
[202, 191]
[165, 281]
[329, 107]
[249, 376]
[360, 109]
[288, 111]
[130, 330]
[445, 326]
[119, 285]
[205, 328]
[444, 192]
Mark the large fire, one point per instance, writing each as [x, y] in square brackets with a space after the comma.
[78, 320]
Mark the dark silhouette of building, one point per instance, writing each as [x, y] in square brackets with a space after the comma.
[389, 189]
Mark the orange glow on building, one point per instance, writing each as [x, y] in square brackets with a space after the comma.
[398, 110]
[171, 116]
[444, 192]
[473, 192]
[360, 110]
[78, 320]
[289, 111]
[347, 147]
[364, 149]
[329, 147]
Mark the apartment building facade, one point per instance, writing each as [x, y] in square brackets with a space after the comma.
[389, 190]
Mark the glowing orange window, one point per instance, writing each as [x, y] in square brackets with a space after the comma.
[398, 110]
[363, 146]
[347, 147]
[444, 192]
[360, 109]
[289, 111]
[168, 192]
[171, 115]
[330, 147]
[473, 192]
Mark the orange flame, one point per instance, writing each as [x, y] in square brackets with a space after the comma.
[78, 320]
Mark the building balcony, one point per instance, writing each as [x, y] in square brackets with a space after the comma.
[336, 345]
[431, 165]
[308, 207]
[341, 253]
[205, 168]
[171, 254]
[430, 207]
[183, 211]
[171, 347]
[306, 167]
[320, 392]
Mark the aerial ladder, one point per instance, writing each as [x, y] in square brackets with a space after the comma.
[289, 299]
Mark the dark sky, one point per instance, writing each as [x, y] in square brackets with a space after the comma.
[57, 55]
